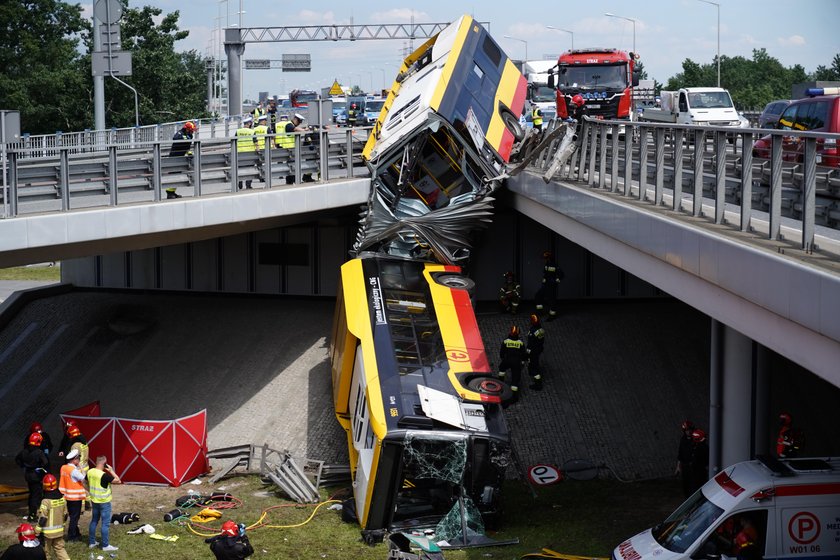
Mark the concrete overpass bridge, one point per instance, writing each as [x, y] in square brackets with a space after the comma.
[749, 243]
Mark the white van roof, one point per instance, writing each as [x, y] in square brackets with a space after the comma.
[768, 477]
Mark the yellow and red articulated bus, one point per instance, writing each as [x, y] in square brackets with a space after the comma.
[442, 141]
[415, 393]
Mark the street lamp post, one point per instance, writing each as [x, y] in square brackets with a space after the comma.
[572, 33]
[716, 5]
[523, 40]
[608, 14]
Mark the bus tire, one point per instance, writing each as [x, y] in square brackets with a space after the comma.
[486, 385]
[457, 281]
[512, 124]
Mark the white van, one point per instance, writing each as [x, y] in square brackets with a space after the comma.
[793, 506]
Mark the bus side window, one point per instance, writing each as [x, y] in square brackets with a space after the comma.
[492, 51]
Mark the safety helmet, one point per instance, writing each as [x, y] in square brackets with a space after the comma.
[578, 100]
[35, 427]
[743, 540]
[230, 529]
[352, 105]
[189, 126]
[49, 482]
[535, 320]
[698, 435]
[785, 418]
[509, 275]
[73, 431]
[26, 532]
[514, 332]
[35, 439]
[546, 254]
[687, 425]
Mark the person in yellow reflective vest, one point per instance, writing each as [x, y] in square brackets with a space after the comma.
[537, 118]
[71, 486]
[100, 479]
[246, 142]
[260, 131]
[258, 111]
[51, 516]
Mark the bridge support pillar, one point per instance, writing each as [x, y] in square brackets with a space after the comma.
[738, 398]
[234, 48]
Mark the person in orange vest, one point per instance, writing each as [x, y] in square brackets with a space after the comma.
[71, 484]
[51, 516]
[79, 443]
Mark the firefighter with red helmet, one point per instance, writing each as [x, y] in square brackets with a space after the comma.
[576, 111]
[352, 115]
[699, 459]
[52, 514]
[512, 357]
[547, 293]
[181, 146]
[28, 546]
[534, 349]
[510, 293]
[787, 442]
[46, 440]
[232, 543]
[35, 465]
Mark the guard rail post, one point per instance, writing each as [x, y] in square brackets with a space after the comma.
[13, 184]
[297, 151]
[349, 139]
[267, 166]
[112, 175]
[746, 179]
[676, 204]
[324, 147]
[196, 149]
[64, 179]
[699, 155]
[584, 146]
[157, 180]
[659, 166]
[593, 142]
[628, 157]
[775, 228]
[614, 157]
[809, 187]
[643, 170]
[720, 176]
[602, 157]
[234, 166]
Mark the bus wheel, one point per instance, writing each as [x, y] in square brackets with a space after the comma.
[490, 386]
[456, 281]
[512, 124]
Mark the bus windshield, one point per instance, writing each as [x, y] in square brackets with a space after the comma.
[687, 523]
[600, 76]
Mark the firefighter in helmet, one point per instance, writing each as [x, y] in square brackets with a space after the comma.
[547, 293]
[232, 543]
[510, 293]
[534, 349]
[51, 516]
[787, 442]
[181, 146]
[28, 546]
[34, 463]
[699, 459]
[512, 357]
[352, 115]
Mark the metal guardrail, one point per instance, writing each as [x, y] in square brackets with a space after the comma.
[694, 165]
[66, 177]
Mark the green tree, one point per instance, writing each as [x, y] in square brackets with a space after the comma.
[171, 86]
[42, 74]
[828, 74]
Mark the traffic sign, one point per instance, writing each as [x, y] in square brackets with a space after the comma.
[257, 64]
[120, 63]
[336, 89]
[108, 11]
[544, 475]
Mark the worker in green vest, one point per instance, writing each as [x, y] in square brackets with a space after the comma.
[537, 118]
[246, 142]
[260, 131]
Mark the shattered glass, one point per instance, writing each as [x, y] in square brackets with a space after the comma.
[441, 459]
[461, 523]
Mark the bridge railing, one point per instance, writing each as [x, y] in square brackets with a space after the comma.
[132, 169]
[789, 177]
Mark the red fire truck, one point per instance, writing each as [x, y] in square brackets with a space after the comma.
[604, 77]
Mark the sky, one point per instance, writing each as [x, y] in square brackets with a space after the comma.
[666, 33]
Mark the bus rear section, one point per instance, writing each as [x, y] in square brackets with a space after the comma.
[441, 142]
[414, 391]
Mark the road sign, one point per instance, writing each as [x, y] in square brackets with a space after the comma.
[336, 89]
[257, 64]
[109, 35]
[120, 63]
[544, 474]
[296, 63]
[108, 11]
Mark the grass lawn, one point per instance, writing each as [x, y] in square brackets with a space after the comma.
[40, 273]
[587, 518]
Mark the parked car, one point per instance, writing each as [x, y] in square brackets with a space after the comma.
[769, 117]
[817, 114]
[371, 112]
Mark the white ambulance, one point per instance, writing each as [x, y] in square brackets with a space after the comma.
[762, 509]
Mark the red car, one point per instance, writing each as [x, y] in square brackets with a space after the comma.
[820, 113]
